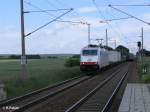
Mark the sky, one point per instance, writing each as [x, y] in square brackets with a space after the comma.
[60, 37]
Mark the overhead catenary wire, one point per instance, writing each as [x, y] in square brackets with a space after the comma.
[59, 2]
[115, 19]
[66, 5]
[72, 22]
[46, 12]
[51, 4]
[55, 10]
[38, 8]
[62, 4]
[129, 14]
[99, 11]
[113, 15]
[48, 23]
[118, 26]
[76, 22]
[133, 5]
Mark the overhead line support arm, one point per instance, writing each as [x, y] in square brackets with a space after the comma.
[48, 23]
[129, 14]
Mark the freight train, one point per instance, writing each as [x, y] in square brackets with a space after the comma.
[95, 57]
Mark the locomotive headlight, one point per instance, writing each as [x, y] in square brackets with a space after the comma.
[82, 63]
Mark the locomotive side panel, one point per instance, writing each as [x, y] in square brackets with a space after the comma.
[104, 59]
[114, 56]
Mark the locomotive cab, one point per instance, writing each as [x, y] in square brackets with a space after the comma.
[89, 59]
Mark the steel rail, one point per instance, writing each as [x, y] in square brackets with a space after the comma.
[39, 100]
[14, 100]
[110, 100]
[24, 98]
[86, 97]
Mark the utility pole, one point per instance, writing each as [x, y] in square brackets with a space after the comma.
[106, 38]
[114, 42]
[23, 55]
[139, 46]
[142, 48]
[101, 41]
[142, 39]
[89, 25]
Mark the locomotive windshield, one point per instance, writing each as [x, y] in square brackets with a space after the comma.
[89, 52]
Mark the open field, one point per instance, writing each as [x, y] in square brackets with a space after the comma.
[41, 72]
[146, 64]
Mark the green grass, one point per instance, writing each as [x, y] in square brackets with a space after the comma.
[41, 73]
[146, 64]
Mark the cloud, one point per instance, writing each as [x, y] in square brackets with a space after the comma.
[9, 41]
[58, 38]
[87, 9]
[67, 38]
[146, 17]
[91, 9]
[137, 1]
[131, 32]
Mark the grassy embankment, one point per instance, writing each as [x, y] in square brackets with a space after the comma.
[41, 73]
[146, 64]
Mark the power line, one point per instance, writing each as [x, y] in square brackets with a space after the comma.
[48, 23]
[75, 12]
[129, 14]
[132, 5]
[105, 19]
[51, 4]
[66, 21]
[45, 10]
[99, 10]
[119, 29]
[115, 19]
[113, 15]
[62, 4]
[38, 8]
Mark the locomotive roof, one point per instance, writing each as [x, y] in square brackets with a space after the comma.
[91, 46]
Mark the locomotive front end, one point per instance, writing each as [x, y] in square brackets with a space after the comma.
[89, 59]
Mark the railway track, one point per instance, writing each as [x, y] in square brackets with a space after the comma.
[95, 101]
[66, 98]
[55, 98]
[15, 103]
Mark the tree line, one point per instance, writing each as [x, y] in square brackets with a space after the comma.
[28, 57]
[144, 52]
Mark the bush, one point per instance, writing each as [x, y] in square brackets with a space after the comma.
[33, 56]
[28, 57]
[71, 62]
[14, 57]
[76, 56]
[52, 57]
